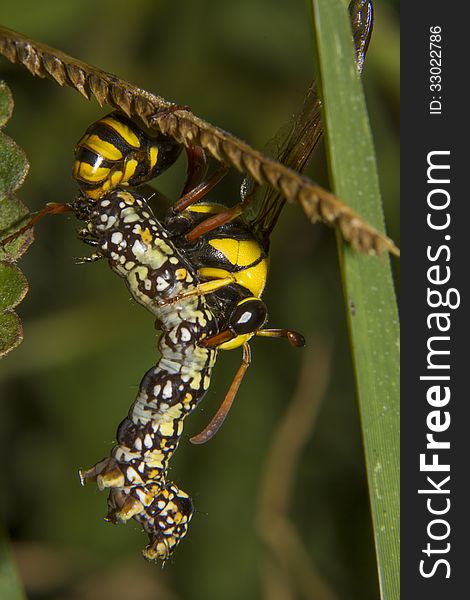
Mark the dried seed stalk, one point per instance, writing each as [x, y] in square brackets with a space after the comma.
[157, 113]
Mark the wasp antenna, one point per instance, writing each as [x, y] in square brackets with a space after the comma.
[216, 422]
[53, 208]
[295, 338]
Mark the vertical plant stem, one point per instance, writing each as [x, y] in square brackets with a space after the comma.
[367, 281]
[10, 586]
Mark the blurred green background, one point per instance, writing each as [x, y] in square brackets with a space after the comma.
[282, 504]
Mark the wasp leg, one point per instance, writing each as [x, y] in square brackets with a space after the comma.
[197, 168]
[219, 219]
[295, 338]
[201, 289]
[52, 208]
[216, 340]
[196, 164]
[216, 422]
[200, 190]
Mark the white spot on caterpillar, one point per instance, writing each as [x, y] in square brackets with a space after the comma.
[130, 217]
[162, 284]
[196, 382]
[116, 238]
[138, 248]
[167, 429]
[167, 390]
[148, 443]
[142, 496]
[133, 476]
[138, 444]
[185, 334]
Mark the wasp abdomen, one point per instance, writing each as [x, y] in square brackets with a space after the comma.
[115, 151]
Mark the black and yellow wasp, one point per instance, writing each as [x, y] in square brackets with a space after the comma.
[230, 256]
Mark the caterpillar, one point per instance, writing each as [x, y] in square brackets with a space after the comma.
[138, 249]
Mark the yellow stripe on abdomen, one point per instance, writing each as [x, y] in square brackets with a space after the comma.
[129, 169]
[123, 130]
[153, 156]
[90, 173]
[105, 149]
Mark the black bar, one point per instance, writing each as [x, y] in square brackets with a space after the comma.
[435, 131]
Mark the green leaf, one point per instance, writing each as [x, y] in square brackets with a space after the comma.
[13, 288]
[6, 104]
[13, 285]
[367, 281]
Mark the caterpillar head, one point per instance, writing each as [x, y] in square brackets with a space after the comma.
[166, 521]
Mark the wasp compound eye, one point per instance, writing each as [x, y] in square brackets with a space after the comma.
[248, 316]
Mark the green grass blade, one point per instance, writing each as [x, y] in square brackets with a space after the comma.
[10, 586]
[367, 281]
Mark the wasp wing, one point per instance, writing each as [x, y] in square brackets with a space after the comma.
[306, 128]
